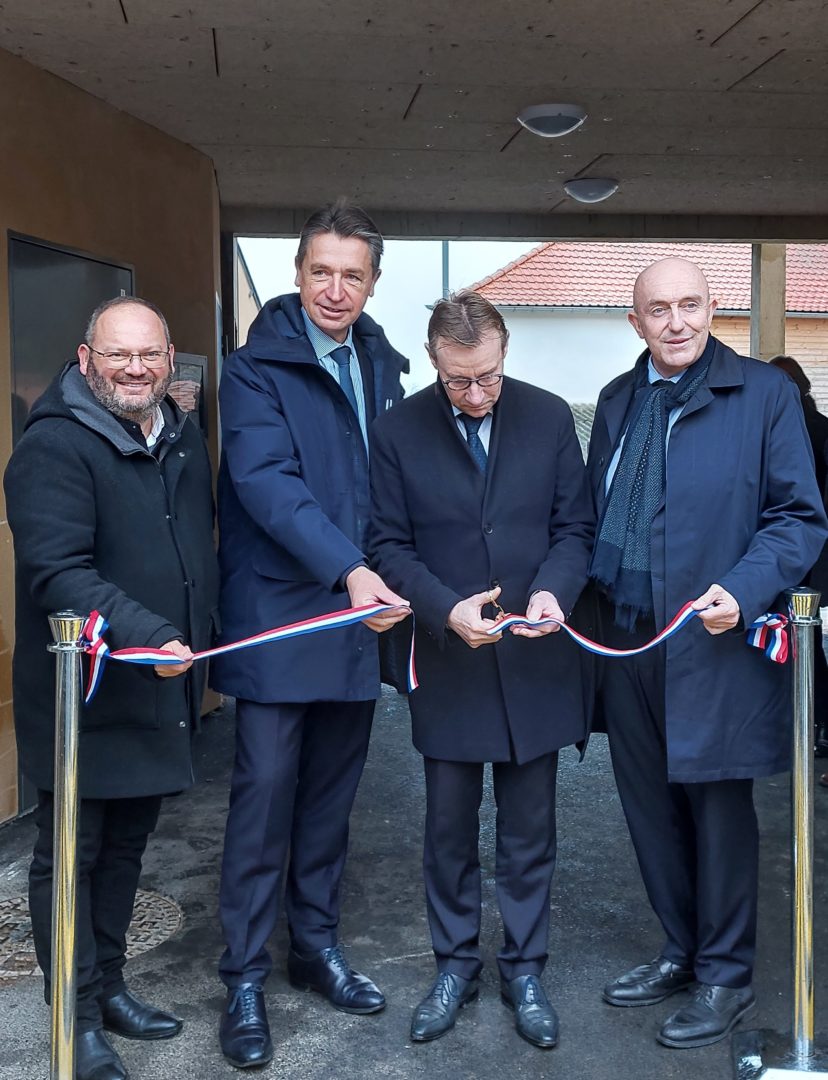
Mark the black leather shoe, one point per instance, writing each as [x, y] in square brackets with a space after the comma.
[329, 974]
[535, 1019]
[96, 1058]
[437, 1012]
[648, 984]
[127, 1015]
[244, 1033]
[711, 1013]
[821, 741]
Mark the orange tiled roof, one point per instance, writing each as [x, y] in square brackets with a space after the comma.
[590, 274]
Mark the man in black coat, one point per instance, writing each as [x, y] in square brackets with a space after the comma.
[480, 495]
[109, 501]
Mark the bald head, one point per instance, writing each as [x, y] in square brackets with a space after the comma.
[672, 312]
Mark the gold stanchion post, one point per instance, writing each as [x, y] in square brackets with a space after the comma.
[767, 1054]
[66, 629]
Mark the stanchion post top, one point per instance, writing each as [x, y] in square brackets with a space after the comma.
[66, 627]
[803, 605]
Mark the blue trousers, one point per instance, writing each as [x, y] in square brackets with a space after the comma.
[697, 844]
[524, 862]
[295, 776]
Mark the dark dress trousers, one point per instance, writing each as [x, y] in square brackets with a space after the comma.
[293, 504]
[692, 724]
[441, 530]
[101, 523]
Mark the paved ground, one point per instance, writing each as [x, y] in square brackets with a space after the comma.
[601, 925]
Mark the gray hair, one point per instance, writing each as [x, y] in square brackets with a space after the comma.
[465, 318]
[118, 301]
[342, 219]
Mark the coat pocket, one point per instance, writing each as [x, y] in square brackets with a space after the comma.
[127, 697]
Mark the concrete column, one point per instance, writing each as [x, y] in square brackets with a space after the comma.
[767, 307]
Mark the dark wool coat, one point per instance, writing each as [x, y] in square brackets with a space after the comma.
[293, 503]
[741, 509]
[441, 531]
[99, 523]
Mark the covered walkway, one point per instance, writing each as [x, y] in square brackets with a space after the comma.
[601, 925]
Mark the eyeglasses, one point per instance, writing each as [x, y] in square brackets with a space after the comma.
[485, 381]
[152, 359]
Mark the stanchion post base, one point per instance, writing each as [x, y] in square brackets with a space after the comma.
[768, 1055]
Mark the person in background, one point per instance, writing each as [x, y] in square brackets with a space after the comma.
[816, 425]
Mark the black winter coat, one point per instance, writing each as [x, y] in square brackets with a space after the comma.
[99, 523]
[441, 531]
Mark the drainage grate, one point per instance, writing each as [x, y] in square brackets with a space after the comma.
[155, 919]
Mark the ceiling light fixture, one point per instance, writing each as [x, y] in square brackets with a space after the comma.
[551, 121]
[590, 189]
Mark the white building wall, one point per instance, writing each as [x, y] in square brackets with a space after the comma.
[572, 354]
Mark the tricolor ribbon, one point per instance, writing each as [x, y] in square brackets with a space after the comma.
[99, 652]
[767, 633]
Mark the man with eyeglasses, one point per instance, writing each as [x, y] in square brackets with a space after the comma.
[109, 500]
[480, 502]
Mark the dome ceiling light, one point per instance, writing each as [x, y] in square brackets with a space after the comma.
[552, 121]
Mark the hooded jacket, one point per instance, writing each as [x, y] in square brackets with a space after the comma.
[293, 503]
[100, 523]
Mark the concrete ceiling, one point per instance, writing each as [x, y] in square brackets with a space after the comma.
[712, 114]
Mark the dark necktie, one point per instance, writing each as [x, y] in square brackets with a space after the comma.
[342, 356]
[478, 451]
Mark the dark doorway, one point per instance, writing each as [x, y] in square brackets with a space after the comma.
[52, 292]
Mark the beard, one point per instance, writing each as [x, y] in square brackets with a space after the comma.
[125, 406]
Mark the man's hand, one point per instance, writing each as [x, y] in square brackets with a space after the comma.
[366, 587]
[724, 611]
[542, 605]
[466, 621]
[169, 671]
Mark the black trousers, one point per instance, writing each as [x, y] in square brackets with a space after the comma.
[697, 844]
[295, 777]
[524, 862]
[112, 837]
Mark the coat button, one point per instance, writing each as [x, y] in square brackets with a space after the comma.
[601, 460]
[182, 723]
[181, 453]
[488, 530]
[495, 583]
[169, 517]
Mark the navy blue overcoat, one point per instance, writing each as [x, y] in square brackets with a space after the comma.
[293, 502]
[741, 509]
[441, 531]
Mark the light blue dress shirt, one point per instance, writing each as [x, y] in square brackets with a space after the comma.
[323, 346]
[484, 432]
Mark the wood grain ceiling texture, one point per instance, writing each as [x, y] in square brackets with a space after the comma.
[711, 107]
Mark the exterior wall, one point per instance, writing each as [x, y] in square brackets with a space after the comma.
[81, 174]
[576, 354]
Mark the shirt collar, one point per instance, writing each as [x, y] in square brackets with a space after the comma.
[322, 344]
[653, 375]
[157, 428]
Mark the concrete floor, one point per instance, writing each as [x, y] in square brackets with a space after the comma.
[601, 925]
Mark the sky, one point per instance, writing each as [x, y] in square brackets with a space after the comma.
[412, 278]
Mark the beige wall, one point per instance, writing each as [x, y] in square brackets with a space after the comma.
[80, 174]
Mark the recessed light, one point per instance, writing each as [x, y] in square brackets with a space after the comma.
[590, 189]
[552, 121]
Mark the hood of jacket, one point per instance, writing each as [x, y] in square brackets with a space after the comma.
[68, 397]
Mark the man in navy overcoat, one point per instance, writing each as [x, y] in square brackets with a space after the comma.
[701, 470]
[293, 499]
[480, 496]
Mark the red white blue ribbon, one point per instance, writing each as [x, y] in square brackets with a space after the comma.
[99, 652]
[767, 633]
